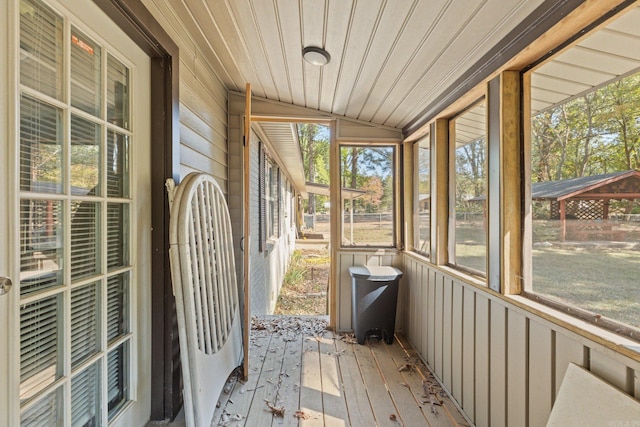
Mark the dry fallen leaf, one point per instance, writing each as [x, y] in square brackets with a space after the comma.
[301, 415]
[278, 412]
[405, 367]
[349, 338]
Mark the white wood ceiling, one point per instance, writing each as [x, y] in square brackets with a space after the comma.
[603, 57]
[390, 58]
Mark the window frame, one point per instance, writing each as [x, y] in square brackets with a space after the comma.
[606, 323]
[272, 198]
[269, 199]
[417, 243]
[395, 215]
[451, 196]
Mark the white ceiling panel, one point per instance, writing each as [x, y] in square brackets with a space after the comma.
[390, 59]
[598, 59]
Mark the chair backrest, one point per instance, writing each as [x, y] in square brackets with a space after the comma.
[204, 283]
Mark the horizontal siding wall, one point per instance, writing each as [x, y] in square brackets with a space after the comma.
[203, 97]
[502, 364]
[354, 257]
[236, 107]
[269, 266]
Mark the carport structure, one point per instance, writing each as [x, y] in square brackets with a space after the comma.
[587, 199]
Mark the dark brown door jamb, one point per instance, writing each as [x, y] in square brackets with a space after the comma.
[138, 23]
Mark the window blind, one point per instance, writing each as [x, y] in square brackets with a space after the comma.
[85, 311]
[40, 146]
[117, 235]
[41, 48]
[84, 239]
[85, 73]
[85, 391]
[117, 306]
[46, 412]
[40, 340]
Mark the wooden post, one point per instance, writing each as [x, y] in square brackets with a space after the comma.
[511, 191]
[247, 234]
[563, 221]
[336, 215]
[439, 190]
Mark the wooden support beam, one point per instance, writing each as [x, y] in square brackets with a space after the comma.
[440, 190]
[511, 147]
[335, 213]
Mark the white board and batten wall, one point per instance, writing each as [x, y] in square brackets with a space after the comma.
[502, 363]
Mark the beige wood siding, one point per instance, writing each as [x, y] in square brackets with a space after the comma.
[502, 363]
[203, 98]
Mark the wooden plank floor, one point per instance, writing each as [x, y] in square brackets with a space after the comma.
[302, 375]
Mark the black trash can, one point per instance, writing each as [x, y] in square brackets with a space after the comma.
[374, 295]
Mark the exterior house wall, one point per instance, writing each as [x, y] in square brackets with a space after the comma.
[502, 363]
[203, 100]
[268, 266]
[236, 105]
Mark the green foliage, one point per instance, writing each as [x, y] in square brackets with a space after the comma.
[296, 272]
[369, 169]
[314, 146]
[596, 133]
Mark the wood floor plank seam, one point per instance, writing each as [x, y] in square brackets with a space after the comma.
[322, 378]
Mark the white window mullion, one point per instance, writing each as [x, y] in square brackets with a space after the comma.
[104, 383]
[66, 179]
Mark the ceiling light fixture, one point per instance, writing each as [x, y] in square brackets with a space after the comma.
[316, 55]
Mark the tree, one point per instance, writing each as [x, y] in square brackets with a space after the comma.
[373, 194]
[314, 146]
[598, 132]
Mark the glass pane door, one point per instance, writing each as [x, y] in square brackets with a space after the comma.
[75, 200]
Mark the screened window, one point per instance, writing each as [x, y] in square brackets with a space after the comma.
[585, 179]
[367, 179]
[468, 191]
[422, 195]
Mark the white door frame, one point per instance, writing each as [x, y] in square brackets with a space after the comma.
[8, 203]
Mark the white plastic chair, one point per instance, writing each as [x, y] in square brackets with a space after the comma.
[206, 291]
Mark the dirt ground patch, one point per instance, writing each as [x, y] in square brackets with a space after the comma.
[304, 290]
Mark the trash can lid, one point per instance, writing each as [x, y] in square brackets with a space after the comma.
[375, 273]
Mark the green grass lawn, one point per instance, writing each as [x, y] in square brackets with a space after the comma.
[603, 280]
[601, 277]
